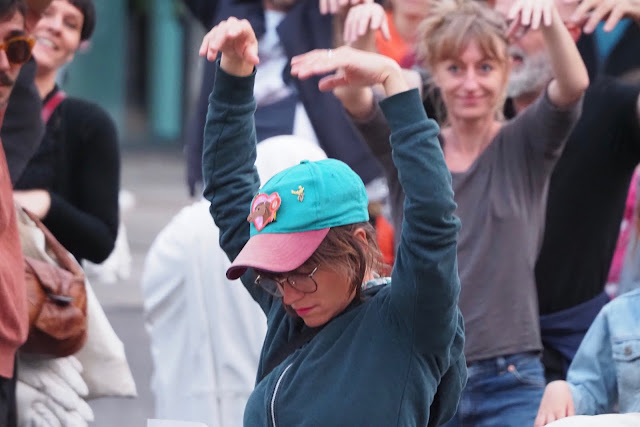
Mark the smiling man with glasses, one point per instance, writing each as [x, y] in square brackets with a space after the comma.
[15, 49]
[18, 49]
[22, 127]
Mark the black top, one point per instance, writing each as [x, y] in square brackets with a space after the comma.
[622, 59]
[78, 162]
[587, 197]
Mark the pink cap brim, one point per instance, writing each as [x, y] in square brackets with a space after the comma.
[276, 252]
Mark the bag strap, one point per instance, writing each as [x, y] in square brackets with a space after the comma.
[60, 253]
[50, 106]
[289, 348]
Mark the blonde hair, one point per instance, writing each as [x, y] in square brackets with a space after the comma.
[448, 29]
[452, 24]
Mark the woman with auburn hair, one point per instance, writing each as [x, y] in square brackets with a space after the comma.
[500, 172]
[307, 255]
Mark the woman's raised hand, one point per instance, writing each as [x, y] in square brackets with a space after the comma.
[365, 18]
[350, 67]
[571, 78]
[532, 13]
[591, 12]
[237, 42]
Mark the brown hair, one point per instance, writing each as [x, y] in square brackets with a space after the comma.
[344, 253]
[9, 7]
[89, 14]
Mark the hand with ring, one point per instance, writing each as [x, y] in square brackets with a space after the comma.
[350, 67]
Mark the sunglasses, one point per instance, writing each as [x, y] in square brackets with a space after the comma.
[18, 49]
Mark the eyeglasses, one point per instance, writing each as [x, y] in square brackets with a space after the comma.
[304, 283]
[18, 49]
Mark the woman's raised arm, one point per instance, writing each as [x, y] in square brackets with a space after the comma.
[571, 76]
[425, 288]
[229, 153]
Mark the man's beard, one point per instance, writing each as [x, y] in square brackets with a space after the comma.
[531, 76]
[5, 81]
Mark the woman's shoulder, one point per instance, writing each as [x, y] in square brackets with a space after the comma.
[537, 113]
[79, 121]
[627, 302]
[79, 109]
[620, 317]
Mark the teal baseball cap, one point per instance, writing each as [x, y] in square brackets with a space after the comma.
[293, 212]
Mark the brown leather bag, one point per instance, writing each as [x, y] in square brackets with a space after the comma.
[55, 290]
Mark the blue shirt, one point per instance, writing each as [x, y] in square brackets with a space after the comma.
[606, 369]
[605, 42]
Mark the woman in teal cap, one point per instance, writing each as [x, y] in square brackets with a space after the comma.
[343, 346]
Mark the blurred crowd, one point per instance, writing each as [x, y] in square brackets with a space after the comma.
[489, 213]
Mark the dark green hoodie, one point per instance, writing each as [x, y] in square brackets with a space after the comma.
[380, 362]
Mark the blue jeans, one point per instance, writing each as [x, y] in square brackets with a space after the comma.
[501, 392]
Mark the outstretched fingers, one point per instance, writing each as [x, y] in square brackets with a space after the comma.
[332, 81]
[234, 38]
[364, 18]
[536, 17]
[212, 41]
[531, 13]
[319, 61]
[597, 15]
[614, 17]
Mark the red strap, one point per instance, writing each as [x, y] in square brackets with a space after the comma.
[50, 106]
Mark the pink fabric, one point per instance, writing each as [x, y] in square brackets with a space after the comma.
[625, 230]
[14, 316]
[276, 252]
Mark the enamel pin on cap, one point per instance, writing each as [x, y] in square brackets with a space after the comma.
[263, 210]
[299, 192]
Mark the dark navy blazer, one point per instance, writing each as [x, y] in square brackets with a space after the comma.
[302, 30]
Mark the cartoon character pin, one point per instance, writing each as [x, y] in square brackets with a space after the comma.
[299, 192]
[263, 210]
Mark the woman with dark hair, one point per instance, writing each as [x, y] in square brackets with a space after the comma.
[73, 180]
[343, 346]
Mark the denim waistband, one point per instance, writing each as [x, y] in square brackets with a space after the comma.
[502, 363]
